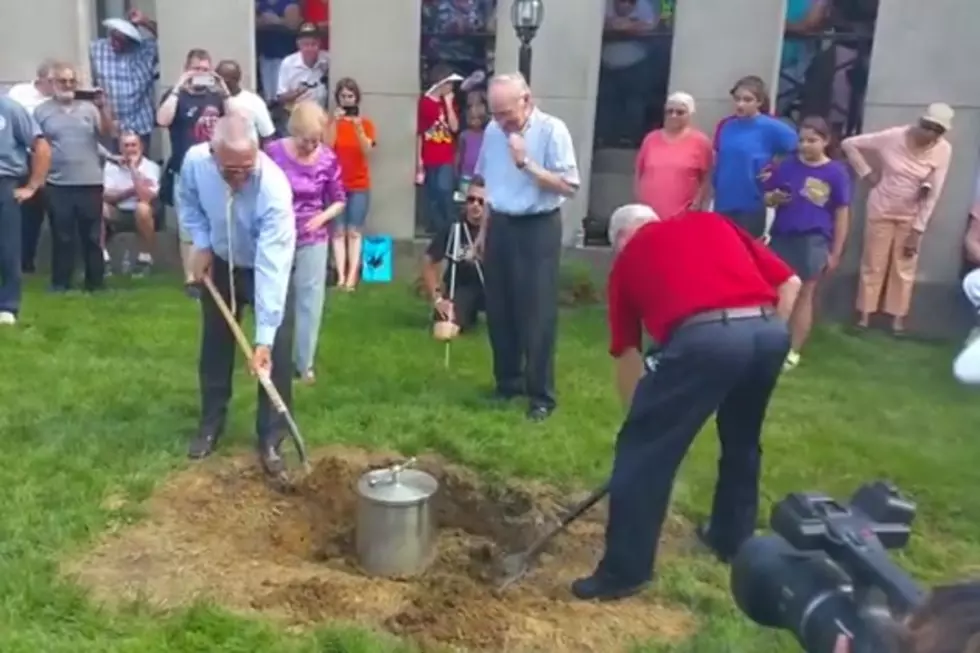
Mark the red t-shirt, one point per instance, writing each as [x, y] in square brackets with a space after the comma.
[318, 13]
[672, 270]
[438, 144]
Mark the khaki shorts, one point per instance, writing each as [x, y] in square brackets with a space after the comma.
[122, 219]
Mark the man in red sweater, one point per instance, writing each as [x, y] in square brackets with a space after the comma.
[717, 301]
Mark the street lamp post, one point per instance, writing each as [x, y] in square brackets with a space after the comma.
[526, 17]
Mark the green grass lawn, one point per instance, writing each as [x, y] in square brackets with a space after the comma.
[99, 395]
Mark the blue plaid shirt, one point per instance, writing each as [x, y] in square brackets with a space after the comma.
[128, 78]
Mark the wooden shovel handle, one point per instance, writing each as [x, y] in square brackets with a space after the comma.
[244, 344]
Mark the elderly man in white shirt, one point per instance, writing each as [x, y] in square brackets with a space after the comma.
[31, 94]
[302, 74]
[129, 200]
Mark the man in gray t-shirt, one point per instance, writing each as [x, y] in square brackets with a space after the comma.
[74, 125]
[21, 148]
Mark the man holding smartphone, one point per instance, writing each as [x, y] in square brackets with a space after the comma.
[303, 74]
[73, 121]
[189, 111]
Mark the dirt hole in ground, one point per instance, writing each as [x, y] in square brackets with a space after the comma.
[218, 532]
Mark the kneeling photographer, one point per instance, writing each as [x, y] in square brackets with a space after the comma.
[826, 577]
[458, 300]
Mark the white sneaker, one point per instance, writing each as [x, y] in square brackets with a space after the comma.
[7, 318]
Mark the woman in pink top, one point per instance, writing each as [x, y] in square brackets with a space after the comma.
[673, 163]
[914, 160]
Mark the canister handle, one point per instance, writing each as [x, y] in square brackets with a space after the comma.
[393, 473]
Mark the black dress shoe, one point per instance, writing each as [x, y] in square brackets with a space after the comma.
[272, 463]
[539, 413]
[202, 445]
[703, 533]
[598, 587]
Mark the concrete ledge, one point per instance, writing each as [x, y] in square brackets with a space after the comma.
[939, 311]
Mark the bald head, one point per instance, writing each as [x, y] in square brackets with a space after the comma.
[625, 220]
[235, 147]
[509, 97]
[231, 73]
[236, 132]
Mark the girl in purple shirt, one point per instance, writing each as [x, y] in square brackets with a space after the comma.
[318, 198]
[812, 196]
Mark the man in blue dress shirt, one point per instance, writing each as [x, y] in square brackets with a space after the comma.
[236, 205]
[528, 163]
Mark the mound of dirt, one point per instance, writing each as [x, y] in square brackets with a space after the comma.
[218, 532]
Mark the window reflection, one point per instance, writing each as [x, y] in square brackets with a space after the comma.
[634, 71]
[458, 37]
[825, 60]
[458, 33]
[105, 9]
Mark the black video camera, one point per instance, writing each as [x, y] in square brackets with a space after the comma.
[827, 572]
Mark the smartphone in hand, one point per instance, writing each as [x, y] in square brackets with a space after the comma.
[203, 81]
[87, 94]
[352, 112]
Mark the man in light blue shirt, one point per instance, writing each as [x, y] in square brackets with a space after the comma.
[236, 205]
[528, 163]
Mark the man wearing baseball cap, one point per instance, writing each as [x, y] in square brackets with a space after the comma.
[303, 74]
[716, 299]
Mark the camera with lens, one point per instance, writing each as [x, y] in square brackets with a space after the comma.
[826, 571]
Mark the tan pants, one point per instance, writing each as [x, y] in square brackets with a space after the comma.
[884, 264]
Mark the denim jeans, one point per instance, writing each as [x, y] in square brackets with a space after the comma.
[355, 213]
[310, 291]
[10, 226]
[440, 184]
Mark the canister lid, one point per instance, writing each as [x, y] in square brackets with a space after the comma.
[397, 487]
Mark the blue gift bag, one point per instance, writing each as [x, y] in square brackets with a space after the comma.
[377, 256]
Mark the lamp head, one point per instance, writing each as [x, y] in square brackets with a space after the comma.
[526, 16]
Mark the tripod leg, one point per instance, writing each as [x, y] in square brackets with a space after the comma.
[479, 267]
[453, 262]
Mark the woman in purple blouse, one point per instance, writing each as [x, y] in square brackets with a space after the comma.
[812, 196]
[318, 198]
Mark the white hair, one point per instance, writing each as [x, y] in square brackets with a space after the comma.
[629, 215]
[235, 131]
[686, 100]
[515, 80]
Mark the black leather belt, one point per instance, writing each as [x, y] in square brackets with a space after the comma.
[726, 314]
[540, 214]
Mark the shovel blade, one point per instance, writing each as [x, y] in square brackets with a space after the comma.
[512, 569]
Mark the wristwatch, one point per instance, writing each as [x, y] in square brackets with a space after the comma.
[524, 163]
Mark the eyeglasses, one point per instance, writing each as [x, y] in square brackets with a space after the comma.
[475, 200]
[66, 81]
[675, 112]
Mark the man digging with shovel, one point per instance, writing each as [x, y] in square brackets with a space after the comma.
[237, 206]
[717, 301]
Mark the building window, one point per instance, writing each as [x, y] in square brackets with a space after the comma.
[457, 36]
[105, 9]
[634, 71]
[825, 61]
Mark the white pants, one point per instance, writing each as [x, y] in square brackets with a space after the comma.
[966, 367]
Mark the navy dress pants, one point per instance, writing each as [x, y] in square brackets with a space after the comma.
[729, 366]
